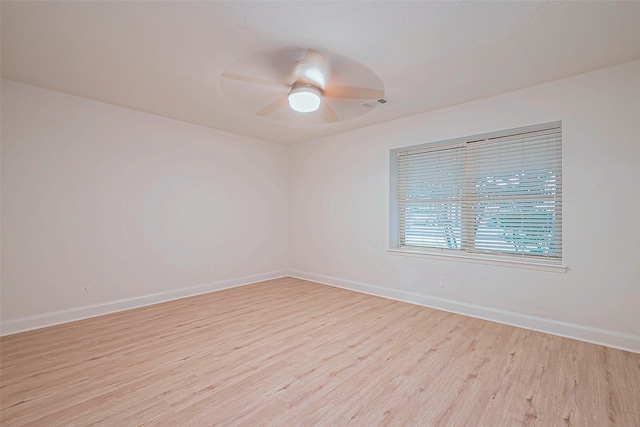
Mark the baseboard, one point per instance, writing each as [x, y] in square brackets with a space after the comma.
[592, 335]
[84, 312]
[604, 337]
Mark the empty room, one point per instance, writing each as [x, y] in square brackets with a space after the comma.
[320, 213]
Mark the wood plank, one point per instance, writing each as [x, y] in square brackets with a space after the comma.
[293, 352]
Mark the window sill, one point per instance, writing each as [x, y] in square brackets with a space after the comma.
[479, 259]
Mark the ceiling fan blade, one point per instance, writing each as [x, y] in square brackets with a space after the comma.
[314, 57]
[327, 113]
[273, 106]
[254, 80]
[352, 92]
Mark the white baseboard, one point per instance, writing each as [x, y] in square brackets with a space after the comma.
[589, 334]
[604, 337]
[84, 312]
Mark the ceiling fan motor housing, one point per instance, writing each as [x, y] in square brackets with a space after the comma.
[301, 85]
[311, 70]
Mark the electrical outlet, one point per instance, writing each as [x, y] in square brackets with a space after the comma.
[207, 271]
[87, 288]
[440, 282]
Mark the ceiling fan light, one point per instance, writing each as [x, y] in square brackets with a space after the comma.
[304, 98]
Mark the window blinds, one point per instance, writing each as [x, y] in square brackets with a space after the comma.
[494, 196]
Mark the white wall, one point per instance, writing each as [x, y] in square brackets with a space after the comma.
[137, 206]
[339, 212]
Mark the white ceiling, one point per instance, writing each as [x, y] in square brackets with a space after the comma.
[166, 58]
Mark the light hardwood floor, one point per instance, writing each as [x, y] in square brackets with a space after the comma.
[288, 352]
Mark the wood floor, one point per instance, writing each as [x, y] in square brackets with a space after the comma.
[288, 352]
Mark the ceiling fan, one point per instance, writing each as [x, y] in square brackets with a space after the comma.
[310, 84]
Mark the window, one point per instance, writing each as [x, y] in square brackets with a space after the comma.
[489, 196]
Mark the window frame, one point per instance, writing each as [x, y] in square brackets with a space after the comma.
[460, 255]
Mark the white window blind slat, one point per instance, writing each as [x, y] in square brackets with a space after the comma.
[497, 195]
